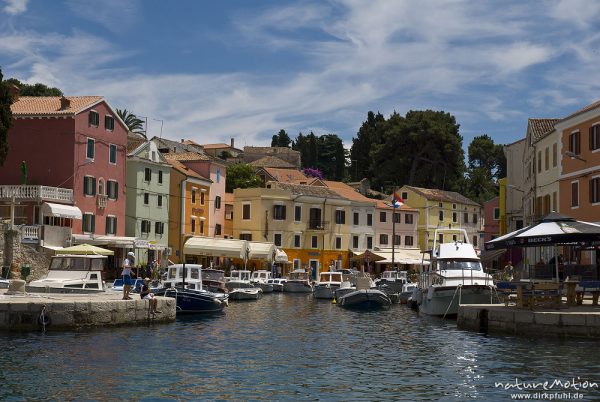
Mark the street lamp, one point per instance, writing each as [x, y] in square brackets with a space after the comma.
[573, 155]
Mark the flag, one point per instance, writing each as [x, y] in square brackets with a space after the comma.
[397, 201]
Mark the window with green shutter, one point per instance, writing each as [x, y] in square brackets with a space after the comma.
[112, 153]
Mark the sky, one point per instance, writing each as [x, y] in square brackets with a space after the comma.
[244, 69]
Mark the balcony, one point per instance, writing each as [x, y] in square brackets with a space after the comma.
[36, 193]
[101, 200]
[317, 225]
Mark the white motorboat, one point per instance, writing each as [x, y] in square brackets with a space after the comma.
[327, 285]
[261, 278]
[391, 281]
[298, 282]
[364, 296]
[240, 287]
[277, 284]
[407, 291]
[455, 276]
[72, 273]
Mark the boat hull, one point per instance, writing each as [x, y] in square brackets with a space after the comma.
[194, 301]
[444, 301]
[297, 287]
[324, 291]
[245, 294]
[365, 299]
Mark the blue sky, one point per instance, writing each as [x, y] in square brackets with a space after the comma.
[213, 70]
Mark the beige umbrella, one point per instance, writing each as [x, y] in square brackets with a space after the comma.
[86, 249]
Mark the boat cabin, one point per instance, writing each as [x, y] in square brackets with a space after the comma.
[261, 275]
[175, 275]
[330, 277]
[240, 275]
[74, 272]
[298, 275]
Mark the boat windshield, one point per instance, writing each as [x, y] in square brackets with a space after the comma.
[194, 273]
[77, 263]
[216, 276]
[462, 265]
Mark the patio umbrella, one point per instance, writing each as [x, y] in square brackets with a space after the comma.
[86, 249]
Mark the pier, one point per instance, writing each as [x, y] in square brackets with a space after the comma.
[566, 321]
[60, 311]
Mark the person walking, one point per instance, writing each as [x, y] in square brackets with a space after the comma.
[127, 272]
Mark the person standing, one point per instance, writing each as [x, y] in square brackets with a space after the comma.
[127, 272]
[508, 271]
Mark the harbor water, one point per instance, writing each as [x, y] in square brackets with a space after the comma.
[291, 347]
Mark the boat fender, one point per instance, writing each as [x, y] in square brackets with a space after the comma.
[44, 319]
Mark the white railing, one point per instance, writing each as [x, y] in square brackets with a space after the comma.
[102, 200]
[30, 232]
[36, 193]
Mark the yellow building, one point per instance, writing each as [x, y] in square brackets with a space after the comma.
[307, 222]
[439, 209]
[188, 212]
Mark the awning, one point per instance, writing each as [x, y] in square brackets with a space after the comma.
[281, 257]
[492, 254]
[410, 256]
[209, 246]
[261, 250]
[60, 210]
[115, 241]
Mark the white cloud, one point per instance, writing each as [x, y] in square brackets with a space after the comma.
[115, 15]
[15, 7]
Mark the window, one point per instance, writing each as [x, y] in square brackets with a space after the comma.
[539, 161]
[408, 219]
[109, 123]
[145, 226]
[454, 217]
[88, 222]
[396, 217]
[89, 185]
[147, 174]
[338, 242]
[496, 214]
[297, 213]
[246, 212]
[277, 239]
[475, 241]
[466, 217]
[595, 137]
[112, 153]
[554, 154]
[111, 225]
[382, 216]
[340, 217]
[354, 241]
[218, 175]
[297, 240]
[297, 263]
[408, 241]
[441, 205]
[369, 242]
[246, 236]
[453, 206]
[314, 242]
[383, 239]
[159, 228]
[112, 189]
[574, 143]
[405, 196]
[218, 202]
[202, 194]
[356, 218]
[159, 200]
[160, 177]
[369, 220]
[218, 229]
[546, 158]
[201, 227]
[193, 196]
[279, 212]
[93, 118]
[440, 238]
[575, 194]
[193, 225]
[90, 150]
[474, 218]
[396, 240]
[146, 198]
[441, 215]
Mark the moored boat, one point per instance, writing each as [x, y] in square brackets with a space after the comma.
[328, 283]
[72, 273]
[298, 282]
[240, 287]
[364, 296]
[277, 284]
[261, 278]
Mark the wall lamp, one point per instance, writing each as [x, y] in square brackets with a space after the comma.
[573, 155]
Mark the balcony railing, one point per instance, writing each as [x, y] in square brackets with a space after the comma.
[101, 199]
[317, 225]
[36, 193]
[30, 233]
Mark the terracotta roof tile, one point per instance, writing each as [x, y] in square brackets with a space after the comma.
[347, 192]
[539, 128]
[187, 156]
[185, 170]
[271, 161]
[134, 141]
[442, 195]
[50, 105]
[286, 175]
[215, 146]
[300, 189]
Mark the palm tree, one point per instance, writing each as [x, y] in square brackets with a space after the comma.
[134, 124]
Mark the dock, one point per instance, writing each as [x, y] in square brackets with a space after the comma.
[27, 311]
[566, 321]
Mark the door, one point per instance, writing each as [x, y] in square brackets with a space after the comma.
[314, 269]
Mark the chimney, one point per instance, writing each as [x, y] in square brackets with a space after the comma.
[182, 140]
[64, 103]
[232, 143]
[14, 92]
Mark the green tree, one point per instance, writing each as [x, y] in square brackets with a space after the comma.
[37, 89]
[308, 147]
[6, 119]
[331, 156]
[487, 164]
[241, 175]
[281, 140]
[133, 123]
[368, 135]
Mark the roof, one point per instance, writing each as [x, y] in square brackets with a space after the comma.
[441, 195]
[302, 189]
[50, 105]
[175, 146]
[134, 141]
[181, 168]
[215, 146]
[249, 149]
[187, 156]
[539, 128]
[271, 161]
[584, 109]
[383, 204]
[285, 175]
[347, 192]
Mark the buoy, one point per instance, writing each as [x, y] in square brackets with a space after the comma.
[334, 301]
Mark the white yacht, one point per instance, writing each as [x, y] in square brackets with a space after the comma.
[240, 287]
[261, 278]
[298, 282]
[72, 273]
[455, 276]
[277, 284]
[327, 285]
[391, 281]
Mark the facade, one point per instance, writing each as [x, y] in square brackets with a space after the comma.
[228, 226]
[513, 190]
[405, 227]
[188, 212]
[148, 199]
[547, 191]
[440, 209]
[221, 149]
[491, 216]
